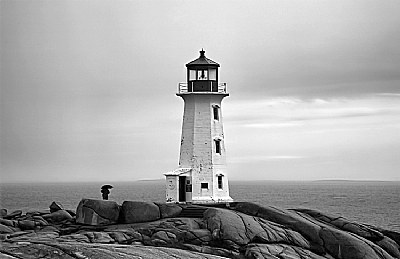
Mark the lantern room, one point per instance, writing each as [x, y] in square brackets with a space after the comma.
[202, 75]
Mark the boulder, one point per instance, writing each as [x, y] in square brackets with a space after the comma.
[138, 211]
[54, 206]
[72, 213]
[97, 212]
[26, 224]
[235, 230]
[120, 237]
[99, 237]
[169, 210]
[167, 237]
[344, 245]
[9, 223]
[309, 229]
[323, 237]
[389, 246]
[344, 224]
[210, 250]
[40, 221]
[134, 236]
[32, 212]
[392, 235]
[49, 229]
[3, 212]
[5, 230]
[3, 237]
[80, 238]
[57, 216]
[13, 214]
[199, 237]
[260, 251]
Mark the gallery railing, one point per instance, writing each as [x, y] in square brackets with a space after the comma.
[184, 88]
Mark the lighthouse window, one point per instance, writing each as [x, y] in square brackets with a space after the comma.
[202, 74]
[216, 113]
[212, 74]
[204, 185]
[219, 181]
[192, 74]
[218, 146]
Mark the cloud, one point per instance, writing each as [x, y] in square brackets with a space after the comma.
[296, 112]
[255, 158]
[389, 94]
[273, 125]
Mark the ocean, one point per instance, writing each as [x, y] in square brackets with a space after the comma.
[374, 203]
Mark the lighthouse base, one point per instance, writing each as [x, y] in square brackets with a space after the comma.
[182, 187]
[211, 200]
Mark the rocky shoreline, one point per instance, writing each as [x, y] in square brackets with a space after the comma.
[105, 229]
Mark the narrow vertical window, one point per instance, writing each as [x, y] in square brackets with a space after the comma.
[218, 146]
[216, 113]
[219, 181]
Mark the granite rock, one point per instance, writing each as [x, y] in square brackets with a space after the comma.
[241, 230]
[169, 210]
[97, 212]
[234, 230]
[324, 238]
[57, 216]
[26, 224]
[5, 230]
[138, 211]
[8, 222]
[198, 237]
[79, 250]
[278, 251]
[14, 214]
[54, 206]
[391, 234]
[225, 253]
[341, 223]
[3, 212]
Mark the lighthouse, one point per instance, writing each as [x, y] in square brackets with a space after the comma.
[202, 173]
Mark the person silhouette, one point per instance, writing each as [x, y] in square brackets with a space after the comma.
[105, 191]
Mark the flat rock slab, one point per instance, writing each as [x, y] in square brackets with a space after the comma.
[82, 250]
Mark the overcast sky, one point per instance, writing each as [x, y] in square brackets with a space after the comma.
[88, 87]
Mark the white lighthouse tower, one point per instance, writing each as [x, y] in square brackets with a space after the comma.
[202, 173]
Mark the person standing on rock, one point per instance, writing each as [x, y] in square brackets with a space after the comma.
[105, 191]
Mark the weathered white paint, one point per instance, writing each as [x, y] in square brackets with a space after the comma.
[199, 161]
[171, 187]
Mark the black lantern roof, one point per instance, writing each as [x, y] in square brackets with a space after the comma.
[202, 60]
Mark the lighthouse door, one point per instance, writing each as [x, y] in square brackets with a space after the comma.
[182, 188]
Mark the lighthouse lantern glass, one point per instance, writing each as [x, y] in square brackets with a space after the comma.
[202, 74]
[212, 74]
[192, 74]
